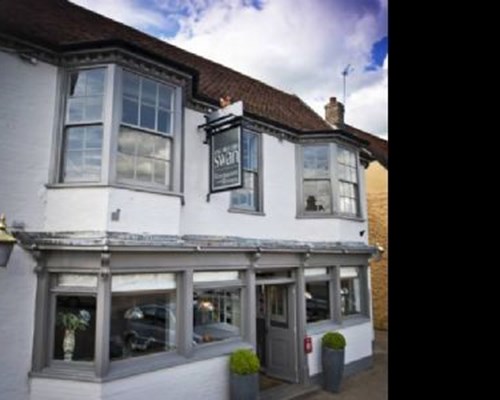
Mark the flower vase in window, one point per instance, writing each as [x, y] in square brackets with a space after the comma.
[72, 323]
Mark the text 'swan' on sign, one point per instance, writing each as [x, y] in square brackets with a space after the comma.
[225, 160]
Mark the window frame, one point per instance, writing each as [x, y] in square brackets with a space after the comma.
[259, 196]
[333, 178]
[64, 125]
[111, 121]
[363, 293]
[329, 277]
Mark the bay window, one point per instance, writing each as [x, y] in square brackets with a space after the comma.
[133, 118]
[317, 294]
[328, 181]
[350, 291]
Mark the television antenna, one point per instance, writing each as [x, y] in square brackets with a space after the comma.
[346, 72]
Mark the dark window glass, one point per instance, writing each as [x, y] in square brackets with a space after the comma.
[142, 324]
[317, 301]
[74, 336]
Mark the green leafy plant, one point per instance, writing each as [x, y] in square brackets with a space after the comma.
[333, 340]
[72, 321]
[244, 362]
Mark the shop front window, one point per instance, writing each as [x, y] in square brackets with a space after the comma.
[74, 335]
[350, 290]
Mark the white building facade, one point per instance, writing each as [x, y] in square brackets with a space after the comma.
[105, 185]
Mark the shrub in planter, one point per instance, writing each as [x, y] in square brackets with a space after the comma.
[332, 359]
[244, 366]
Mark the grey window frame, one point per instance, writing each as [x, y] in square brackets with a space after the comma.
[330, 278]
[333, 178]
[111, 121]
[355, 184]
[364, 294]
[259, 197]
[65, 124]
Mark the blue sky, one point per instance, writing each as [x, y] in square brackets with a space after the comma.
[299, 46]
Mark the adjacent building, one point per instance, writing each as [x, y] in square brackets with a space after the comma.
[136, 271]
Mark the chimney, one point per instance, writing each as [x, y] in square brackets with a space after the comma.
[334, 112]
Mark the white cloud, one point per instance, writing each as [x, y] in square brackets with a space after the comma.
[299, 46]
[128, 12]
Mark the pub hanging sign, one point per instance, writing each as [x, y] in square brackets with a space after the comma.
[225, 157]
[224, 131]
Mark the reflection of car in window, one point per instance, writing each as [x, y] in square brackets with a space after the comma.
[146, 327]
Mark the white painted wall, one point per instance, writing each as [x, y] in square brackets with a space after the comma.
[359, 345]
[212, 218]
[17, 308]
[27, 104]
[142, 212]
[89, 209]
[211, 376]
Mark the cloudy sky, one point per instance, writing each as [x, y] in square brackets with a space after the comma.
[299, 46]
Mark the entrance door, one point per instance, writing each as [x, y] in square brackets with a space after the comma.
[281, 349]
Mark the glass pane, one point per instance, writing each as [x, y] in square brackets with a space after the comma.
[92, 159]
[162, 148]
[317, 196]
[160, 170]
[278, 305]
[125, 167]
[146, 145]
[165, 97]
[130, 85]
[75, 109]
[147, 117]
[93, 137]
[350, 295]
[316, 161]
[317, 301]
[77, 84]
[148, 95]
[164, 121]
[216, 315]
[95, 82]
[142, 324]
[73, 165]
[126, 141]
[130, 112]
[75, 138]
[144, 169]
[93, 108]
[74, 333]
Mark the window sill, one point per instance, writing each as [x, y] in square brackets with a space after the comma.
[316, 328]
[140, 365]
[329, 216]
[80, 185]
[247, 212]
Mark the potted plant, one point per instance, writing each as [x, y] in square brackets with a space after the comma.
[71, 323]
[244, 378]
[332, 359]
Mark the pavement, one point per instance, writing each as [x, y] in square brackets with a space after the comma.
[367, 385]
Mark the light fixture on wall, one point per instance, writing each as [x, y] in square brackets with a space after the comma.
[7, 242]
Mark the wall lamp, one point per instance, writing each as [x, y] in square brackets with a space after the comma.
[7, 242]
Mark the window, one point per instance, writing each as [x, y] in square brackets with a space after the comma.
[317, 294]
[74, 335]
[145, 136]
[143, 315]
[82, 142]
[350, 290]
[328, 187]
[348, 181]
[216, 306]
[248, 197]
[317, 183]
